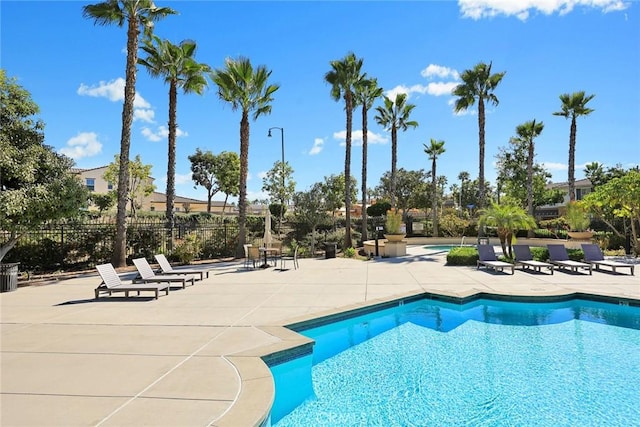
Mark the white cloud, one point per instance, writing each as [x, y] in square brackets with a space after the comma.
[183, 178]
[112, 90]
[318, 144]
[439, 71]
[262, 174]
[160, 133]
[85, 144]
[551, 166]
[521, 9]
[144, 114]
[431, 88]
[356, 137]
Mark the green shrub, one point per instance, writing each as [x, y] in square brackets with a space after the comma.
[187, 249]
[462, 256]
[349, 253]
[539, 254]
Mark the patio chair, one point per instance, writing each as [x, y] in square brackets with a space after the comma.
[166, 268]
[594, 256]
[252, 255]
[293, 258]
[559, 257]
[525, 259]
[111, 283]
[146, 274]
[275, 255]
[487, 257]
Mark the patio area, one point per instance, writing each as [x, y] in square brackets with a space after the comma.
[192, 358]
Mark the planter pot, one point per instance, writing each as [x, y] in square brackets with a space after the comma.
[394, 237]
[580, 235]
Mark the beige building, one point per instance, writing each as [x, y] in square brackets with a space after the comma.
[582, 188]
[94, 180]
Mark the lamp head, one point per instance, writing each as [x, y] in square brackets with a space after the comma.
[269, 134]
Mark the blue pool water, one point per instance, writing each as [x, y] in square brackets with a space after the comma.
[490, 363]
[441, 248]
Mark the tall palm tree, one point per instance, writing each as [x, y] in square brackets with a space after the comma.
[478, 83]
[573, 106]
[507, 219]
[462, 176]
[344, 77]
[175, 63]
[433, 150]
[247, 89]
[394, 115]
[528, 132]
[139, 16]
[367, 92]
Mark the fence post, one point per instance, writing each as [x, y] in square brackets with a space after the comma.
[62, 249]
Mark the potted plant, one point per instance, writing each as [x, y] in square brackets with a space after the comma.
[393, 227]
[578, 220]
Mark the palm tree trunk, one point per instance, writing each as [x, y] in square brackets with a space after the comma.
[434, 201]
[394, 160]
[347, 172]
[244, 167]
[118, 258]
[481, 123]
[364, 173]
[572, 160]
[171, 163]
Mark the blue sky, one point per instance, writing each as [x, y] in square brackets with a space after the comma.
[75, 73]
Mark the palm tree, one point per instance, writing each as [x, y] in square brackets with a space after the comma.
[344, 77]
[527, 132]
[393, 116]
[366, 94]
[462, 176]
[507, 219]
[180, 70]
[246, 89]
[433, 150]
[573, 106]
[478, 83]
[139, 15]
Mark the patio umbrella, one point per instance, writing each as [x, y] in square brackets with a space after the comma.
[267, 228]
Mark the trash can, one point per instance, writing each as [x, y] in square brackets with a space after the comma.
[330, 249]
[9, 277]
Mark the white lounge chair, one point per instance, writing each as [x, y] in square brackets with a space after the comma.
[111, 283]
[594, 256]
[525, 259]
[166, 268]
[487, 257]
[559, 257]
[146, 274]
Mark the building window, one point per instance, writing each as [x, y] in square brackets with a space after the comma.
[581, 192]
[90, 183]
[109, 186]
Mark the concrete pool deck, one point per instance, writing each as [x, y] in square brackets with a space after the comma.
[192, 358]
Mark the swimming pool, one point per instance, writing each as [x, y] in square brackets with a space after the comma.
[427, 362]
[443, 248]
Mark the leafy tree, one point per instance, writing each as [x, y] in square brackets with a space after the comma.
[36, 183]
[435, 149]
[103, 201]
[334, 189]
[619, 197]
[279, 174]
[507, 219]
[344, 77]
[174, 63]
[409, 184]
[140, 184]
[216, 173]
[139, 15]
[367, 92]
[311, 209]
[248, 90]
[394, 115]
[594, 172]
[573, 106]
[379, 208]
[478, 84]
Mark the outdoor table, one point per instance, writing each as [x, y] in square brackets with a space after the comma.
[267, 251]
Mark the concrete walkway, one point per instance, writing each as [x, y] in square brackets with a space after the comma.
[191, 358]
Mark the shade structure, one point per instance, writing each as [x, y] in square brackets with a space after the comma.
[267, 228]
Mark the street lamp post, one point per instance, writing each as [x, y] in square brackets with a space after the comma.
[283, 185]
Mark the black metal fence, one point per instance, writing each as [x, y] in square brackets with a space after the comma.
[72, 245]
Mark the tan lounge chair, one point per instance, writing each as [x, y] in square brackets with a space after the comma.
[594, 256]
[111, 283]
[487, 257]
[559, 257]
[166, 268]
[525, 259]
[147, 275]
